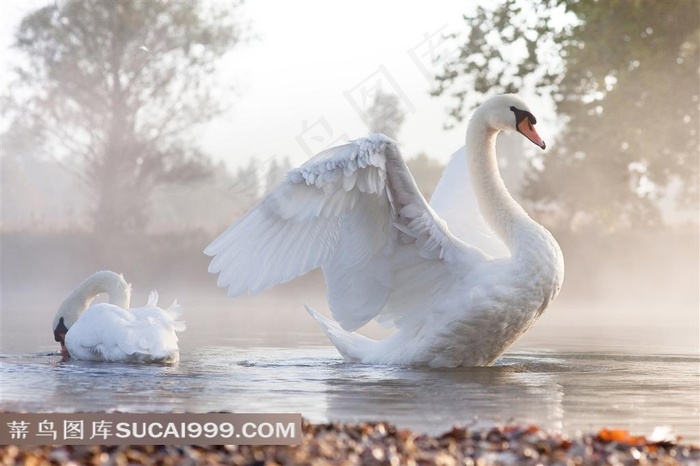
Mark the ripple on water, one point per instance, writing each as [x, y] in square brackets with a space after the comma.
[556, 391]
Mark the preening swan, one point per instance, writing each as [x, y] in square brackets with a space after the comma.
[111, 331]
[355, 211]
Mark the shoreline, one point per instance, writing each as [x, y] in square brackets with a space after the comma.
[381, 443]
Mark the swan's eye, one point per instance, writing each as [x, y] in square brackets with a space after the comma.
[520, 115]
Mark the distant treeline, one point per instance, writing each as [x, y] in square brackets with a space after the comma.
[40, 196]
[61, 260]
[652, 269]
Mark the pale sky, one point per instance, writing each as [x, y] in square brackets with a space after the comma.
[302, 85]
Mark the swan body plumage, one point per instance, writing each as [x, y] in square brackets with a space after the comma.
[113, 331]
[355, 211]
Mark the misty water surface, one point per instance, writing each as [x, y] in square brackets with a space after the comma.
[234, 359]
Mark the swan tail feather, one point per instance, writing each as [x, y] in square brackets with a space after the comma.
[175, 313]
[352, 346]
[152, 299]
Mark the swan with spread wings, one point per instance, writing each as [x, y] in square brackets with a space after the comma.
[355, 211]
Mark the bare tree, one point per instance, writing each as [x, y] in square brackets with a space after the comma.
[114, 90]
[385, 115]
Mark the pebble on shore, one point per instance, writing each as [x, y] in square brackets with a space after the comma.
[384, 444]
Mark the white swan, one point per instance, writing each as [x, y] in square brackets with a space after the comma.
[355, 211]
[113, 332]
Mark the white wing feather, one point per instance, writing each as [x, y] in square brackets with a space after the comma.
[355, 211]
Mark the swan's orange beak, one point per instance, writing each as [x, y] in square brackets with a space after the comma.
[527, 129]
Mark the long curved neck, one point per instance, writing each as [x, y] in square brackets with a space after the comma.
[101, 282]
[503, 214]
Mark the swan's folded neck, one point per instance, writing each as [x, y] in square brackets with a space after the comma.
[503, 214]
[101, 282]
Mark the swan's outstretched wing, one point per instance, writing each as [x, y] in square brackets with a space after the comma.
[355, 211]
[463, 216]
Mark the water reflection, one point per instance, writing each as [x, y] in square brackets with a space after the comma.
[430, 400]
[568, 392]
